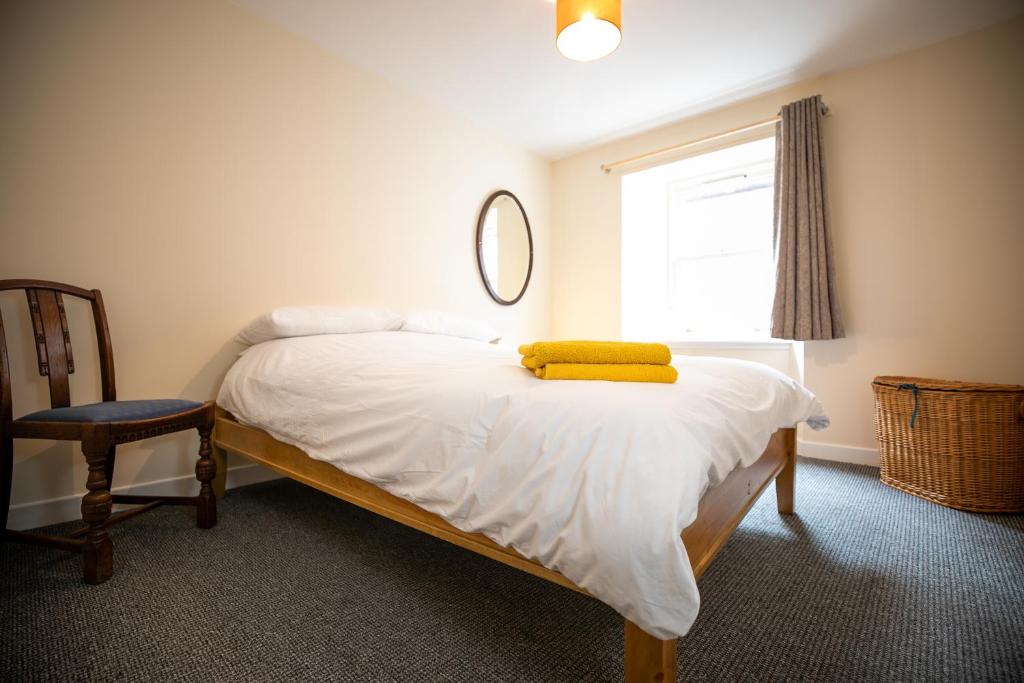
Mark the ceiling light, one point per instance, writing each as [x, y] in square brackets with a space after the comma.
[588, 29]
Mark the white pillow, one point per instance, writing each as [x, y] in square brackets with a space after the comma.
[450, 324]
[302, 321]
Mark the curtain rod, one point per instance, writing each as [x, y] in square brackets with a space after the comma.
[608, 168]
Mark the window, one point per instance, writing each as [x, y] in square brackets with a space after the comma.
[697, 261]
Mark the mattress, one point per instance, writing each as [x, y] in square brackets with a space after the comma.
[595, 480]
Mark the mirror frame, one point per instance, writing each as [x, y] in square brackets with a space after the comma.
[480, 247]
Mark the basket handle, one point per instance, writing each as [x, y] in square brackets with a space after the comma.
[914, 389]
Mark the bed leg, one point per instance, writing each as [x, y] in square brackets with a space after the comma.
[220, 480]
[648, 660]
[220, 456]
[785, 482]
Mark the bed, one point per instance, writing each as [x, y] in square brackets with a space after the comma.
[618, 490]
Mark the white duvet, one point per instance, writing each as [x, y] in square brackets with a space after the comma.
[596, 480]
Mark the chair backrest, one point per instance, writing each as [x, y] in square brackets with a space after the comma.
[53, 343]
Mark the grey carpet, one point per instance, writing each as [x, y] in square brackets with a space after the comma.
[866, 583]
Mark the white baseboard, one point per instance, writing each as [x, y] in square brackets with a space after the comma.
[43, 512]
[827, 451]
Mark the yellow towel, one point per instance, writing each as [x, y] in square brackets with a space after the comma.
[539, 354]
[612, 372]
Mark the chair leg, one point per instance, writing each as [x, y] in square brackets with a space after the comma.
[206, 470]
[6, 479]
[97, 552]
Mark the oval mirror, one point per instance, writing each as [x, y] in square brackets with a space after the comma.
[504, 247]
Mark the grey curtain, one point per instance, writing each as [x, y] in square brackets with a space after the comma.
[806, 303]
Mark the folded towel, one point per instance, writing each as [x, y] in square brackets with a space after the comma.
[612, 372]
[539, 354]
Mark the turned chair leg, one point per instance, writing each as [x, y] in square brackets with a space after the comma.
[648, 660]
[206, 470]
[97, 551]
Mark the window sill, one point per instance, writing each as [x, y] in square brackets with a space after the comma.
[762, 344]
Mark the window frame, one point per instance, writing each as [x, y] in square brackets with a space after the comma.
[674, 178]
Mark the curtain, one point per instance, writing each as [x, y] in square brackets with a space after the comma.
[806, 302]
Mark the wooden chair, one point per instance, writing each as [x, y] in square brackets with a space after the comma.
[100, 427]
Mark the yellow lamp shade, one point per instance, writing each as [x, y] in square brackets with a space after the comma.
[588, 29]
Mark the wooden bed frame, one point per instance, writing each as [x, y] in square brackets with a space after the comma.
[647, 659]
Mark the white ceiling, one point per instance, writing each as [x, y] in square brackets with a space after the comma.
[494, 61]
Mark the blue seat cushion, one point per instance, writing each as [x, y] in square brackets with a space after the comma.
[114, 411]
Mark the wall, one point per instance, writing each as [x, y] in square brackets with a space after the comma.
[924, 158]
[201, 166]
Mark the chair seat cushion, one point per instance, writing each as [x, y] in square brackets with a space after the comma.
[114, 411]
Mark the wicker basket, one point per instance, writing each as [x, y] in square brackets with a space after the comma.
[954, 443]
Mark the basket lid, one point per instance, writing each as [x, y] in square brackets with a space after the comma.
[896, 381]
